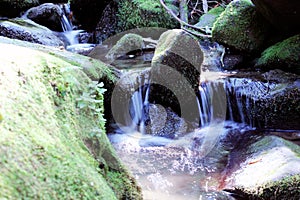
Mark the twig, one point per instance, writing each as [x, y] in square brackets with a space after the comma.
[202, 30]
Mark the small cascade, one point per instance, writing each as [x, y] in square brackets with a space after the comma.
[239, 101]
[139, 104]
[66, 22]
[212, 102]
[204, 104]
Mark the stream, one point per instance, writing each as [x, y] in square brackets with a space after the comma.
[173, 158]
[176, 162]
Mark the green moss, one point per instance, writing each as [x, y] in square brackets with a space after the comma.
[286, 188]
[240, 26]
[142, 13]
[49, 148]
[283, 55]
[127, 43]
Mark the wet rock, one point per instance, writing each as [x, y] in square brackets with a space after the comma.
[27, 30]
[284, 15]
[268, 159]
[48, 14]
[164, 122]
[269, 100]
[13, 8]
[128, 43]
[283, 55]
[175, 73]
[241, 27]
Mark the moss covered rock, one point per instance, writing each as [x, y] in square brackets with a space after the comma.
[271, 172]
[284, 55]
[13, 8]
[176, 68]
[126, 44]
[53, 143]
[27, 30]
[241, 27]
[131, 14]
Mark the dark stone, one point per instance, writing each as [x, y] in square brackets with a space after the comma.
[88, 12]
[107, 25]
[284, 15]
[48, 14]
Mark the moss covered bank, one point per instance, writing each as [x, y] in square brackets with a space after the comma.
[52, 138]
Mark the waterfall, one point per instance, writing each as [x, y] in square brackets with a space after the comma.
[204, 104]
[65, 21]
[139, 104]
[212, 102]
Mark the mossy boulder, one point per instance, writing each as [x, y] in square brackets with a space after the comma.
[13, 8]
[270, 170]
[27, 30]
[208, 19]
[175, 73]
[129, 42]
[241, 27]
[53, 143]
[284, 55]
[127, 14]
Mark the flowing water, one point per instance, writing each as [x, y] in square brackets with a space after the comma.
[195, 164]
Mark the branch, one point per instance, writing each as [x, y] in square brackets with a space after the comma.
[202, 30]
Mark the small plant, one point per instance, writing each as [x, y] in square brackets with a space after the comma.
[92, 100]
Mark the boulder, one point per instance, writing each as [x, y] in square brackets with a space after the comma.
[13, 8]
[284, 15]
[88, 12]
[267, 100]
[271, 168]
[126, 15]
[284, 55]
[175, 73]
[241, 27]
[129, 42]
[57, 147]
[48, 14]
[27, 30]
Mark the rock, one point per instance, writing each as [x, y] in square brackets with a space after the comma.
[49, 133]
[126, 15]
[108, 22]
[268, 100]
[283, 55]
[87, 13]
[129, 42]
[175, 73]
[241, 27]
[27, 30]
[284, 15]
[13, 8]
[48, 14]
[267, 160]
[209, 18]
[164, 122]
